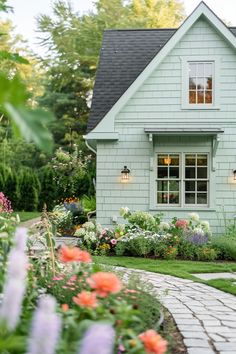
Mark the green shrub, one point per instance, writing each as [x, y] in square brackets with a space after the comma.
[206, 254]
[140, 246]
[29, 186]
[225, 247]
[121, 249]
[48, 193]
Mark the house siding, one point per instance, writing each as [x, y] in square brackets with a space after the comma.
[158, 102]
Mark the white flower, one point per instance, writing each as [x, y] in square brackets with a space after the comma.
[90, 236]
[99, 228]
[89, 225]
[124, 211]
[80, 232]
[194, 216]
[164, 225]
[198, 231]
[205, 225]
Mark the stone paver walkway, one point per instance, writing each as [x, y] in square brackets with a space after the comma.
[210, 276]
[205, 316]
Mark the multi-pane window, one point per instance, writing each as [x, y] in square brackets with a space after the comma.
[168, 179]
[196, 179]
[200, 82]
[182, 179]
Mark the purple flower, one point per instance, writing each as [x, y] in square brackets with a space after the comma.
[21, 238]
[13, 295]
[197, 238]
[46, 328]
[15, 284]
[99, 338]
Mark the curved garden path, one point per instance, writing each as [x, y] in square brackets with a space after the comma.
[205, 316]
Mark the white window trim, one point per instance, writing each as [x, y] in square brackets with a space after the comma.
[187, 207]
[215, 88]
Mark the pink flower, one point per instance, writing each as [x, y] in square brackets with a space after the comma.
[104, 231]
[105, 283]
[113, 242]
[181, 223]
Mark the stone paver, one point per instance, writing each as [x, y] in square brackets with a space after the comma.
[210, 276]
[205, 316]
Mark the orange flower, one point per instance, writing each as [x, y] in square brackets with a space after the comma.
[153, 342]
[64, 307]
[86, 299]
[74, 254]
[104, 283]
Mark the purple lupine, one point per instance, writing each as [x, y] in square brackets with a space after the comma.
[46, 327]
[15, 284]
[99, 338]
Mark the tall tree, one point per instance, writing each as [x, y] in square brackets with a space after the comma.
[74, 42]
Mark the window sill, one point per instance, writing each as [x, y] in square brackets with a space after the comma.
[200, 108]
[192, 209]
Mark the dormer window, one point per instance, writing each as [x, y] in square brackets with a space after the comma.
[200, 82]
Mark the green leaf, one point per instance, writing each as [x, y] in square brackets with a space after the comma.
[12, 91]
[31, 124]
[15, 57]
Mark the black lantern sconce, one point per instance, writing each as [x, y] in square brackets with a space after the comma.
[234, 172]
[125, 174]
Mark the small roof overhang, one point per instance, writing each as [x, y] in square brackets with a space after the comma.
[184, 131]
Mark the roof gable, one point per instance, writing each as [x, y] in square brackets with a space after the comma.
[106, 123]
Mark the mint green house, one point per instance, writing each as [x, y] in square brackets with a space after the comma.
[164, 106]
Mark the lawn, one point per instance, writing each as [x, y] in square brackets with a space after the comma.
[27, 215]
[181, 269]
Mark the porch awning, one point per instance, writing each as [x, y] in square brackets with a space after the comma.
[183, 131]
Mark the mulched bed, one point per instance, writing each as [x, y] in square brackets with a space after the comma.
[171, 333]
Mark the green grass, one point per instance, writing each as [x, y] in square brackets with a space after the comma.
[180, 269]
[27, 215]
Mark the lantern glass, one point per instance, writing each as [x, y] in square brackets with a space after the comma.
[125, 174]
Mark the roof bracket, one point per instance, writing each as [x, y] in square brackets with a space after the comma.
[215, 143]
[151, 151]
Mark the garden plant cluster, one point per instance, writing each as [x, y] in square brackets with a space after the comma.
[64, 303]
[146, 235]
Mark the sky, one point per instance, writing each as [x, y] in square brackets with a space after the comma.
[25, 12]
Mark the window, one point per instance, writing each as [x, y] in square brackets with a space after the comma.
[182, 179]
[200, 82]
[168, 179]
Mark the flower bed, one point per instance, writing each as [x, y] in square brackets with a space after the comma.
[146, 235]
[64, 304]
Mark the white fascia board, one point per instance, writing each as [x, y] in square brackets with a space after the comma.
[101, 136]
[108, 122]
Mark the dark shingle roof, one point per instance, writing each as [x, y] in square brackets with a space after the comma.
[124, 55]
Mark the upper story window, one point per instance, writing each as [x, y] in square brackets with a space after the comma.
[201, 82]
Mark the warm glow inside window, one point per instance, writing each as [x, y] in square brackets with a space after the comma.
[182, 179]
[200, 82]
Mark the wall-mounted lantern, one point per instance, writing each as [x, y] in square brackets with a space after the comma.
[125, 174]
[234, 172]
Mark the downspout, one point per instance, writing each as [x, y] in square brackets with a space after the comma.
[90, 147]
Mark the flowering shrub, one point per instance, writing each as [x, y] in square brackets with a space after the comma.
[94, 238]
[5, 204]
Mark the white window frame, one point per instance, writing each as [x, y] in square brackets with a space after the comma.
[215, 105]
[184, 149]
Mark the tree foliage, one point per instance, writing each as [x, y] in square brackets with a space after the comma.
[74, 42]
